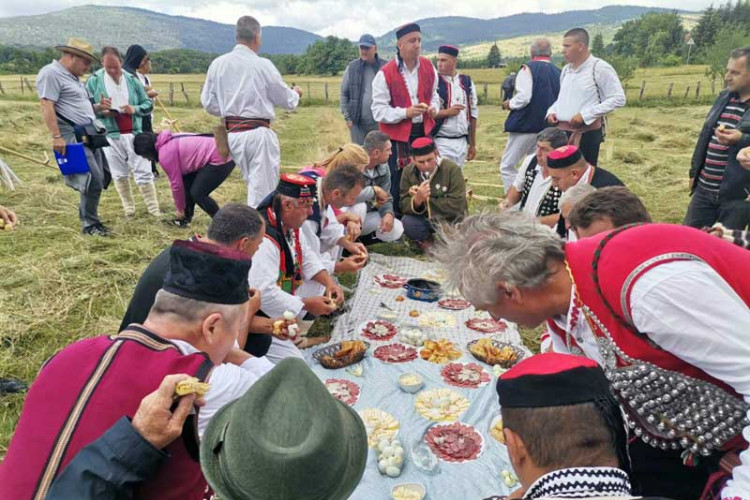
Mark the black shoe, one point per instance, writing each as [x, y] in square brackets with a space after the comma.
[97, 229]
[181, 223]
[9, 385]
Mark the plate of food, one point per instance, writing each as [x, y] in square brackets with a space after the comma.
[454, 442]
[437, 319]
[395, 353]
[486, 325]
[378, 330]
[454, 304]
[379, 425]
[439, 351]
[342, 354]
[441, 405]
[466, 375]
[344, 390]
[390, 280]
[494, 352]
[496, 429]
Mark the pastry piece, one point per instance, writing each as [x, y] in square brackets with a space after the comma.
[191, 385]
[439, 351]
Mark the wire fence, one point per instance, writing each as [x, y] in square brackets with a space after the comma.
[315, 92]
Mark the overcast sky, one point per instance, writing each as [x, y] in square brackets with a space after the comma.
[348, 18]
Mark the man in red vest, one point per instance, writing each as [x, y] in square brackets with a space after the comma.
[405, 100]
[663, 309]
[88, 386]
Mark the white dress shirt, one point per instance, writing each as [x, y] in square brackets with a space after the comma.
[118, 91]
[524, 87]
[578, 92]
[456, 126]
[264, 275]
[240, 83]
[228, 382]
[538, 189]
[382, 110]
[325, 244]
[687, 309]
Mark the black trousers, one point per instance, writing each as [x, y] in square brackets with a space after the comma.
[706, 209]
[590, 143]
[417, 131]
[200, 184]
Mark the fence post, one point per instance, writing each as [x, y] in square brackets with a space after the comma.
[643, 87]
[28, 84]
[21, 78]
[698, 89]
[485, 92]
[326, 91]
[182, 87]
[309, 95]
[2, 90]
[687, 91]
[713, 86]
[171, 94]
[669, 92]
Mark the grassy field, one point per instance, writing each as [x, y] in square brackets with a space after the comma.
[488, 82]
[57, 286]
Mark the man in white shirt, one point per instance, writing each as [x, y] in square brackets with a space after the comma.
[242, 89]
[533, 192]
[537, 86]
[405, 101]
[663, 308]
[455, 129]
[589, 90]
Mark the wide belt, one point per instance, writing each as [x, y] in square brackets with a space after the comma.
[239, 124]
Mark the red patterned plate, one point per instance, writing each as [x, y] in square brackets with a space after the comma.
[469, 375]
[486, 325]
[378, 330]
[343, 390]
[390, 281]
[395, 353]
[454, 442]
[454, 304]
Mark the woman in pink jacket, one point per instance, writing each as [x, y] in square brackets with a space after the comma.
[193, 166]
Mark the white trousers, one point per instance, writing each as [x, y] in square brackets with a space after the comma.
[258, 155]
[453, 149]
[122, 160]
[371, 223]
[519, 146]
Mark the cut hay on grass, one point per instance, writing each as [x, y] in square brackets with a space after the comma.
[57, 286]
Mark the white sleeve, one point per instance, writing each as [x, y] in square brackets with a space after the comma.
[474, 101]
[524, 88]
[278, 91]
[311, 262]
[435, 103]
[263, 276]
[209, 98]
[612, 94]
[691, 312]
[381, 107]
[332, 232]
[228, 383]
[521, 175]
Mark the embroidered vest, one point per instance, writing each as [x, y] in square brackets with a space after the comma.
[80, 393]
[546, 85]
[445, 98]
[669, 402]
[400, 97]
[549, 204]
[290, 269]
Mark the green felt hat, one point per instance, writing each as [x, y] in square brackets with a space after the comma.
[287, 438]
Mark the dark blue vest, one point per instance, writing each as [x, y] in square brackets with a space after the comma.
[546, 85]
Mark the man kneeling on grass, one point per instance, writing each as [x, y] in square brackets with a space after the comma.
[432, 191]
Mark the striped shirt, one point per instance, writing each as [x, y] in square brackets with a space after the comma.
[717, 155]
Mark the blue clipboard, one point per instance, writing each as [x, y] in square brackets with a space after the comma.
[73, 161]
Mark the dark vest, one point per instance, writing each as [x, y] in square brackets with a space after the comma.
[356, 75]
[549, 204]
[546, 85]
[465, 81]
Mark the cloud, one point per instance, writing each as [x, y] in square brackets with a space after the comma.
[344, 18]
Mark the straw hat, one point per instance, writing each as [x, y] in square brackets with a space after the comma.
[78, 47]
[287, 438]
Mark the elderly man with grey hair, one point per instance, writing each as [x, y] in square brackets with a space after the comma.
[242, 89]
[663, 308]
[537, 85]
[568, 201]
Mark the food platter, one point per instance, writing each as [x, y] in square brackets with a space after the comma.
[343, 390]
[465, 375]
[395, 353]
[437, 319]
[342, 354]
[390, 281]
[439, 351]
[454, 304]
[441, 405]
[378, 330]
[494, 352]
[379, 425]
[454, 442]
[486, 325]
